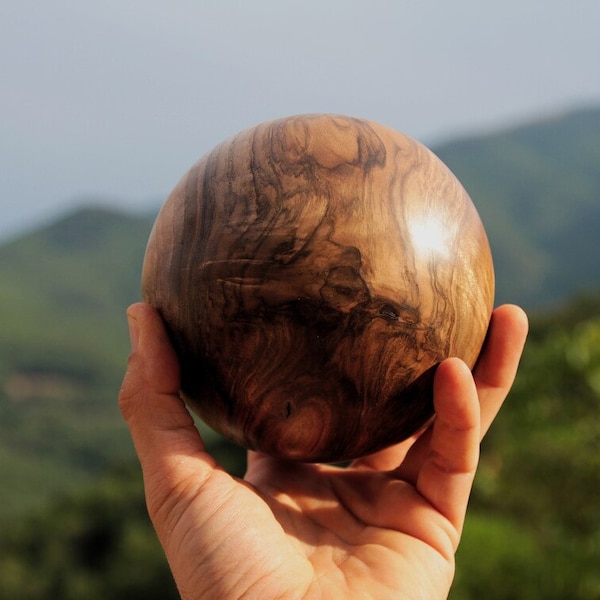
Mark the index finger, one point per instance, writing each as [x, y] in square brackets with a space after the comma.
[498, 362]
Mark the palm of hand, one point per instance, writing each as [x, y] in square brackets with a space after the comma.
[358, 533]
[306, 531]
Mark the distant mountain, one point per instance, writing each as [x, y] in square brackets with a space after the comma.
[64, 289]
[74, 276]
[537, 188]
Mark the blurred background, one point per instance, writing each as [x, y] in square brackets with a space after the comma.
[106, 104]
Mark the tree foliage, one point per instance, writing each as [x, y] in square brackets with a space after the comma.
[532, 531]
[97, 543]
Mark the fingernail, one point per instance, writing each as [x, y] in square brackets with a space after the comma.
[134, 332]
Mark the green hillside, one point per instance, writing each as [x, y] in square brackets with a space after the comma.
[63, 348]
[537, 188]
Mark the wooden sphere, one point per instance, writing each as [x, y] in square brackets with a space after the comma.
[312, 272]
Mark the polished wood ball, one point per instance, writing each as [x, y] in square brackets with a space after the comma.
[312, 272]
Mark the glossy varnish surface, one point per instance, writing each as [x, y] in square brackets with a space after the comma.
[312, 272]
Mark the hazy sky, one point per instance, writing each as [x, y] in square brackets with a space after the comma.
[118, 98]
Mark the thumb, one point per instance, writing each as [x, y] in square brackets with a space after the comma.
[163, 431]
[149, 397]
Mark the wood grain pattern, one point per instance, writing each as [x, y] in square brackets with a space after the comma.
[312, 272]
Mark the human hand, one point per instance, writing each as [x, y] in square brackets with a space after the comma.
[387, 526]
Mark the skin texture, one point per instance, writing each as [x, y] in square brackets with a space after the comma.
[387, 526]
